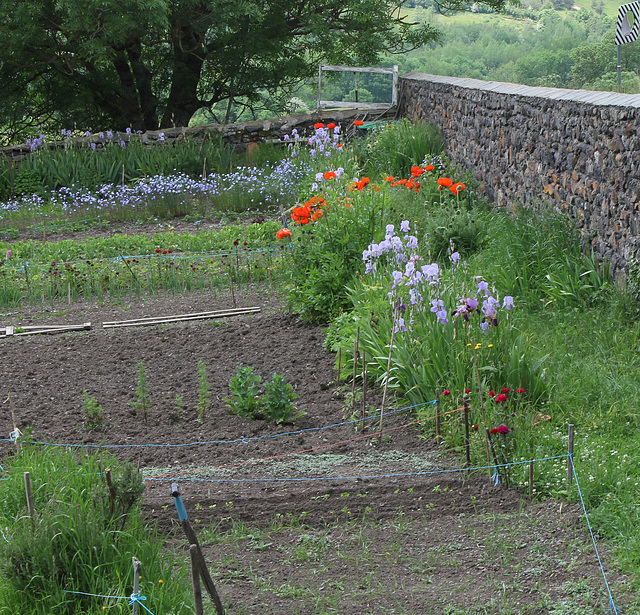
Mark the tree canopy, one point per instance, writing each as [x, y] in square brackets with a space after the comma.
[148, 64]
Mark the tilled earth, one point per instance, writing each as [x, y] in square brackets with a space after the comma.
[333, 517]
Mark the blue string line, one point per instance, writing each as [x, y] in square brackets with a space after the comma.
[612, 605]
[5, 538]
[324, 478]
[132, 598]
[245, 440]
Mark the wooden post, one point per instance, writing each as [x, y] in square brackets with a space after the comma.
[467, 443]
[531, 479]
[437, 416]
[233, 295]
[355, 369]
[195, 580]
[136, 584]
[339, 362]
[193, 540]
[386, 379]
[69, 293]
[493, 451]
[16, 431]
[364, 383]
[570, 458]
[112, 491]
[27, 490]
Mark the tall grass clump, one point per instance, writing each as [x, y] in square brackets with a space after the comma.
[396, 148]
[537, 255]
[81, 538]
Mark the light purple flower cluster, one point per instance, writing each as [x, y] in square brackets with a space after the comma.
[324, 141]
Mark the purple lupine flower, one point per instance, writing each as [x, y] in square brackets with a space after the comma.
[507, 302]
[455, 258]
[319, 177]
[405, 227]
[400, 326]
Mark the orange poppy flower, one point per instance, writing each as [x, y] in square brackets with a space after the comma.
[410, 184]
[445, 182]
[389, 179]
[282, 233]
[318, 125]
[331, 126]
[330, 175]
[429, 167]
[358, 123]
[416, 171]
[456, 188]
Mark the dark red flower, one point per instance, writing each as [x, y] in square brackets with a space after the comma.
[502, 429]
[492, 393]
[158, 250]
[519, 390]
[164, 251]
[505, 390]
[467, 391]
[494, 430]
[501, 397]
[475, 427]
[445, 392]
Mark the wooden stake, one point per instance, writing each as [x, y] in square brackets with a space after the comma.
[467, 443]
[136, 584]
[364, 383]
[27, 490]
[13, 419]
[193, 540]
[484, 420]
[112, 491]
[204, 169]
[195, 579]
[386, 380]
[531, 479]
[570, 458]
[493, 450]
[123, 174]
[355, 369]
[69, 292]
[270, 281]
[233, 295]
[339, 362]
[438, 416]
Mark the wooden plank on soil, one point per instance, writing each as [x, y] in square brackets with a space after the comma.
[158, 320]
[33, 330]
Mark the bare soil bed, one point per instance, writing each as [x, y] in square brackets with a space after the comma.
[293, 535]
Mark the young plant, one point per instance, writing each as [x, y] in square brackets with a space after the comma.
[204, 392]
[143, 399]
[245, 401]
[277, 402]
[92, 410]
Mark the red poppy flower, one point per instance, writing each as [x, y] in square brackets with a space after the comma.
[318, 125]
[389, 179]
[410, 184]
[331, 126]
[330, 175]
[505, 390]
[282, 233]
[445, 182]
[358, 123]
[429, 167]
[456, 188]
[416, 171]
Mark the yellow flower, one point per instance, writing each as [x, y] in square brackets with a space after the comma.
[478, 346]
[469, 344]
[490, 346]
[160, 581]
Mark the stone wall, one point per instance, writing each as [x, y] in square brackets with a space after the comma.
[578, 150]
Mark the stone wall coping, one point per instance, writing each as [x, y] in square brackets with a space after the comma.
[584, 96]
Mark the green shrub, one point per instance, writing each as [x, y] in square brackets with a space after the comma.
[277, 402]
[81, 538]
[92, 410]
[244, 400]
